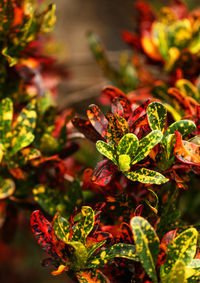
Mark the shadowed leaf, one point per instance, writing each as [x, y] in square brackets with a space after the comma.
[147, 245]
[157, 114]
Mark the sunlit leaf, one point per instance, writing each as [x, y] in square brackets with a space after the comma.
[146, 144]
[183, 247]
[146, 176]
[106, 150]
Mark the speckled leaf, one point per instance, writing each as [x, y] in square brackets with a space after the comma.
[185, 127]
[47, 198]
[146, 176]
[117, 128]
[91, 276]
[6, 116]
[177, 275]
[156, 114]
[183, 247]
[7, 188]
[128, 145]
[120, 250]
[82, 229]
[26, 120]
[121, 106]
[61, 227]
[147, 245]
[97, 119]
[42, 230]
[186, 152]
[106, 150]
[94, 247]
[21, 142]
[24, 127]
[146, 144]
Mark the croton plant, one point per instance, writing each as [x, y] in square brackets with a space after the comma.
[113, 195]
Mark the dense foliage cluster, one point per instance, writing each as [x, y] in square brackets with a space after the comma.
[133, 215]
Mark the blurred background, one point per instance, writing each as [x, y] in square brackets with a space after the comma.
[74, 18]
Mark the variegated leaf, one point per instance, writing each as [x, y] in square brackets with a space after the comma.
[128, 145]
[97, 119]
[178, 273]
[120, 250]
[146, 176]
[183, 247]
[83, 227]
[146, 144]
[6, 116]
[156, 114]
[20, 142]
[94, 247]
[61, 227]
[106, 150]
[185, 127]
[147, 245]
[117, 128]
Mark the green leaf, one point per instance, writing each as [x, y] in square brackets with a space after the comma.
[185, 127]
[49, 199]
[118, 250]
[82, 229]
[25, 125]
[106, 150]
[61, 227]
[6, 117]
[21, 142]
[177, 275]
[147, 245]
[94, 247]
[7, 188]
[146, 176]
[146, 144]
[182, 248]
[128, 145]
[156, 114]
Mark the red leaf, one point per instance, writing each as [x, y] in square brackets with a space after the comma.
[42, 230]
[97, 119]
[112, 92]
[121, 107]
[186, 152]
[103, 172]
[87, 129]
[137, 113]
[168, 237]
[132, 39]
